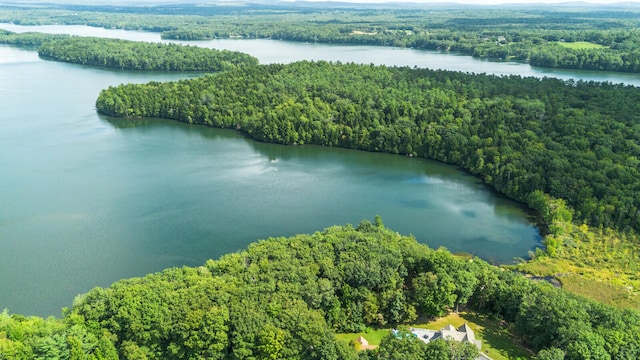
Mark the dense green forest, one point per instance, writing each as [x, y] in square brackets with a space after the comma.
[128, 55]
[598, 38]
[27, 39]
[284, 298]
[135, 55]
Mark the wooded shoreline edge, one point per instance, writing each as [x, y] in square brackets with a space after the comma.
[284, 298]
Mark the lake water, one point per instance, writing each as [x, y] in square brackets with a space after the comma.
[86, 200]
[274, 51]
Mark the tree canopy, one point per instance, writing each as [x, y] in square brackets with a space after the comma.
[128, 55]
[284, 298]
[27, 39]
[135, 55]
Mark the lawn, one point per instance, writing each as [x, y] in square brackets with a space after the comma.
[373, 336]
[578, 45]
[497, 341]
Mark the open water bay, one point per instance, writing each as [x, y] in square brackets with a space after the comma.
[86, 200]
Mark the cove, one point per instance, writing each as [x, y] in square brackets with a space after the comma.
[87, 200]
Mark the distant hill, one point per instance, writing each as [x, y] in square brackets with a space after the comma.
[317, 4]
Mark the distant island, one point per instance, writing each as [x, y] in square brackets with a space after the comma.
[136, 55]
[128, 55]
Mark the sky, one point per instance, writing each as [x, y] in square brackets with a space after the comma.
[475, 2]
[489, 2]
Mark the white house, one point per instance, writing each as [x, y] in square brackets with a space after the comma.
[462, 334]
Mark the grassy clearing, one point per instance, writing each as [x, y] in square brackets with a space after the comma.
[373, 336]
[497, 340]
[605, 292]
[580, 45]
[603, 265]
[601, 284]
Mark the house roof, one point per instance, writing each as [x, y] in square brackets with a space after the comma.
[362, 341]
[449, 332]
[449, 328]
[471, 337]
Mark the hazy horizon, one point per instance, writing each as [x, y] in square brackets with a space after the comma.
[425, 2]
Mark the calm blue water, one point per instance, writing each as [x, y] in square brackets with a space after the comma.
[86, 200]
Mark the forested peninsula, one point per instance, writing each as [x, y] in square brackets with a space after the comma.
[570, 150]
[128, 55]
[593, 38]
[136, 55]
[27, 39]
[285, 298]
[520, 135]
